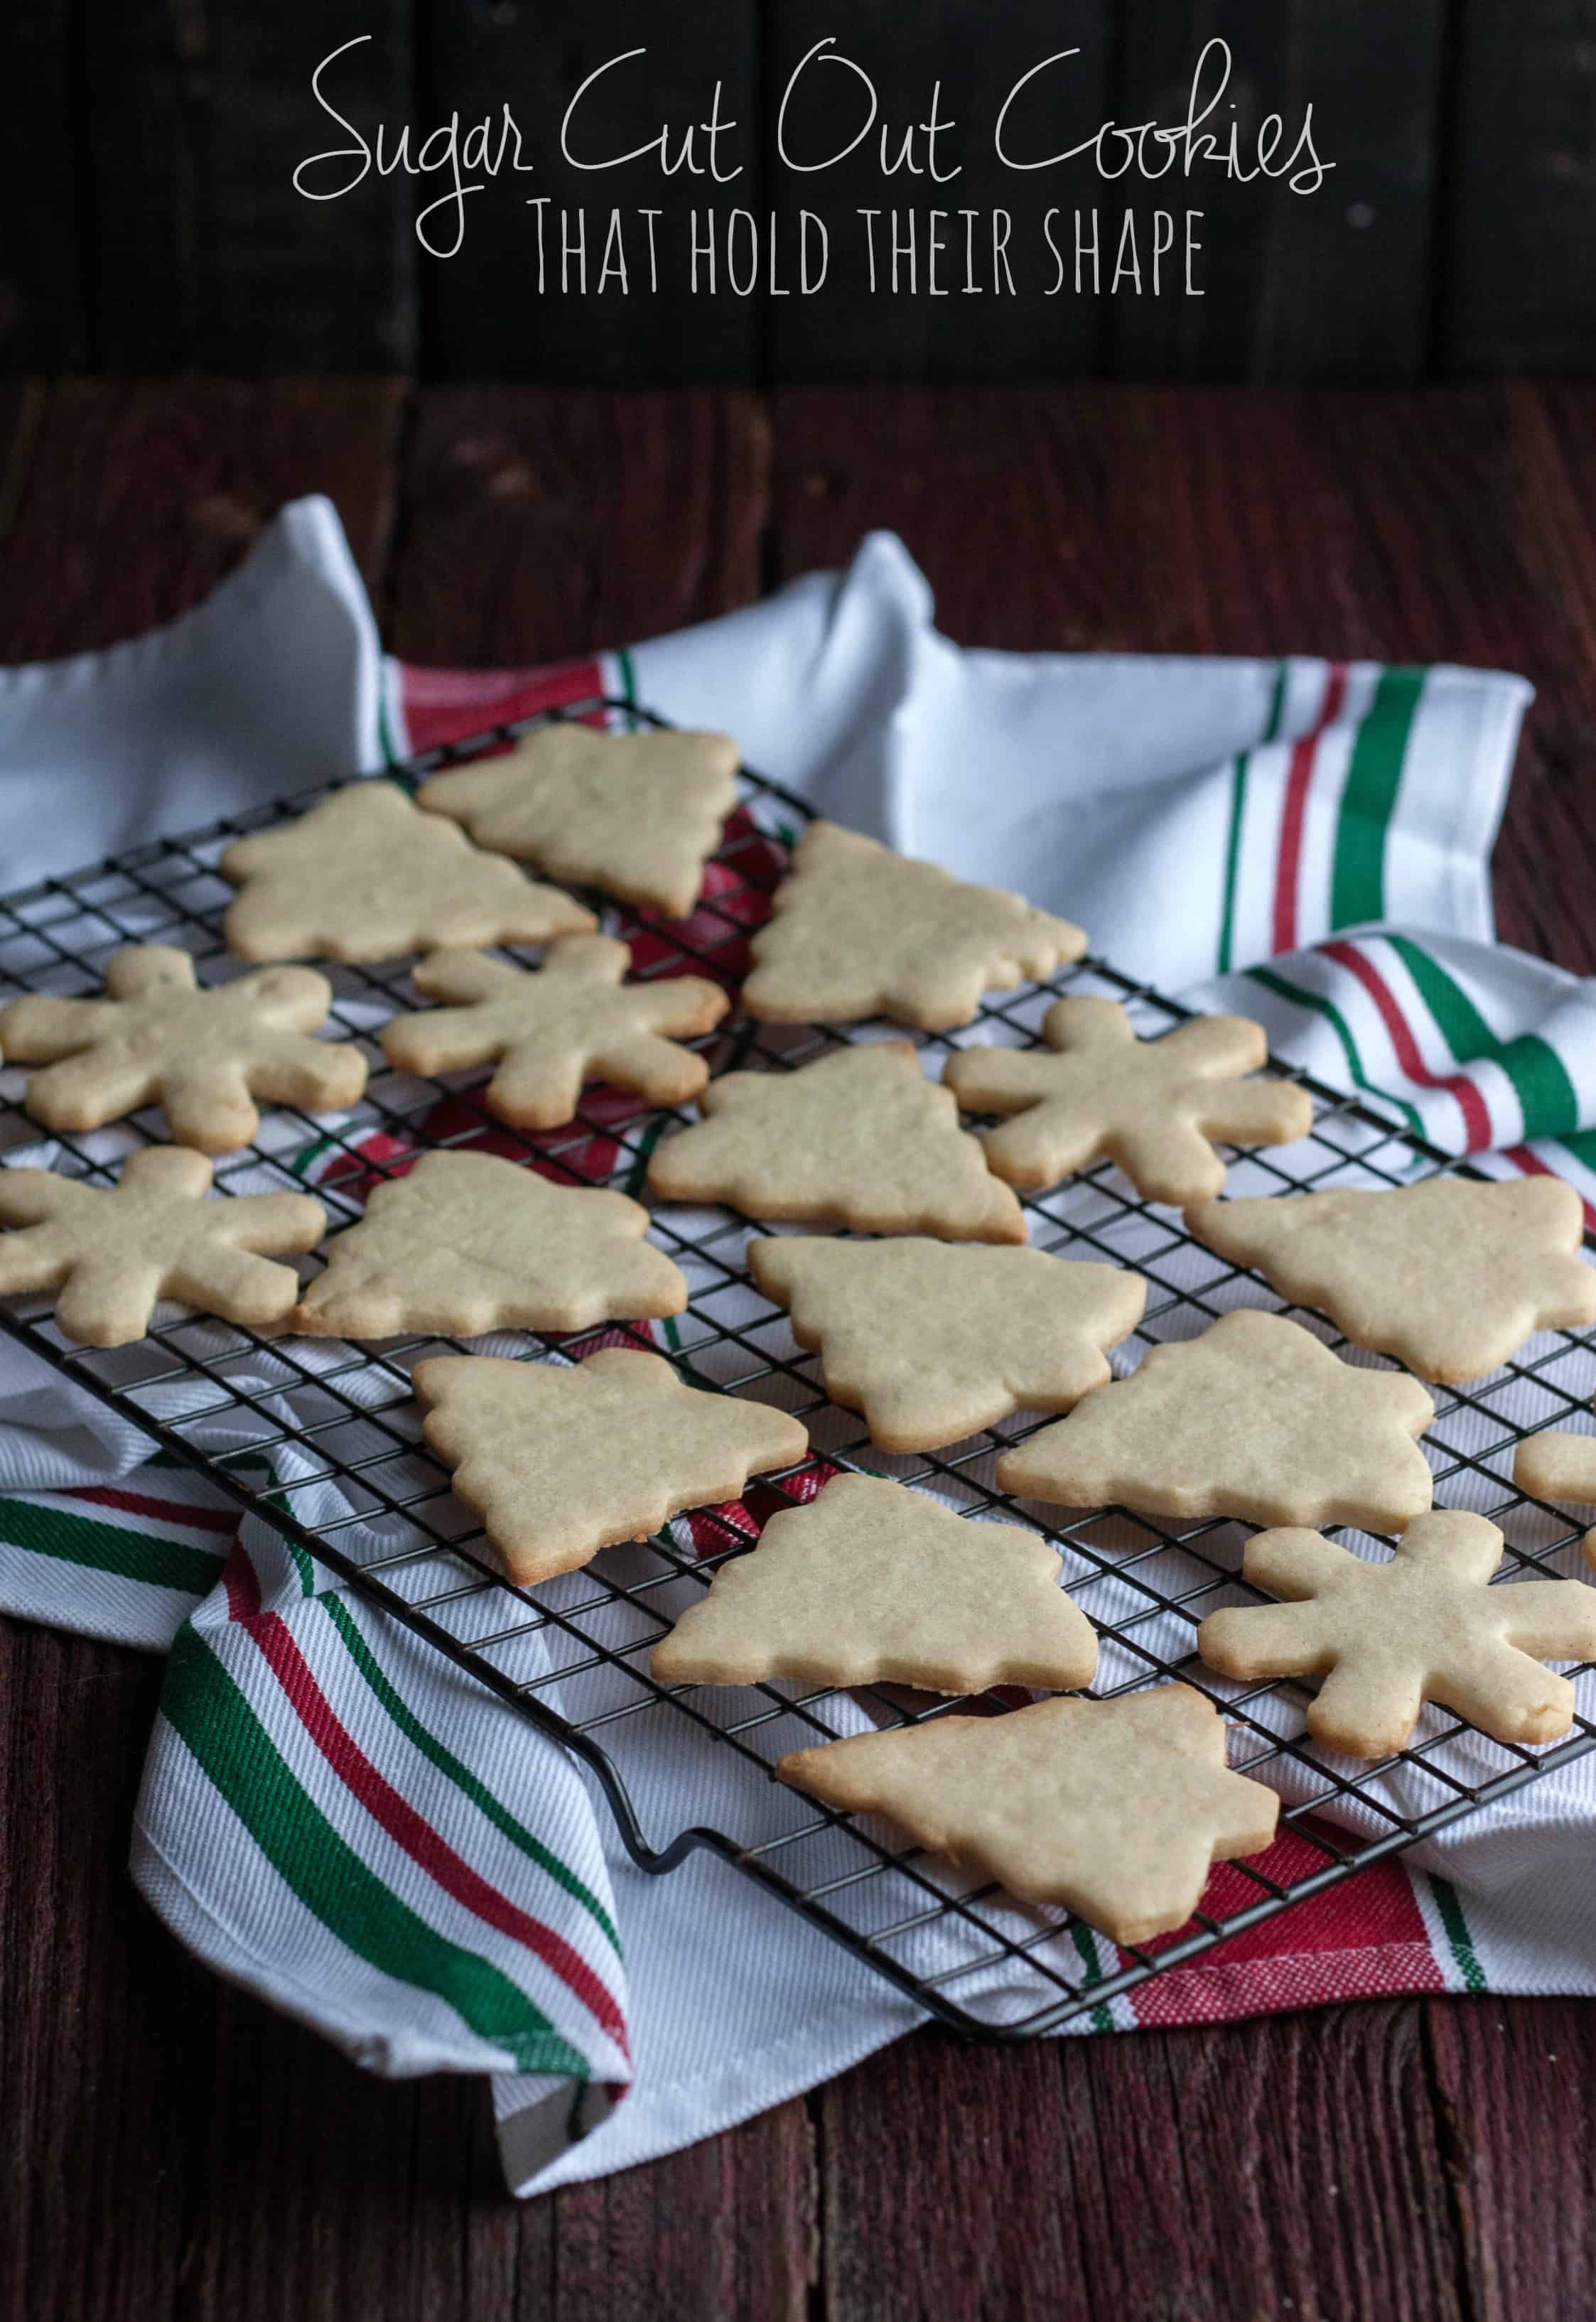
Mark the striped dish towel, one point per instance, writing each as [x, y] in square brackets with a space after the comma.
[333, 1817]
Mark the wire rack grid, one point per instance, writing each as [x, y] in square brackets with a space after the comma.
[346, 1477]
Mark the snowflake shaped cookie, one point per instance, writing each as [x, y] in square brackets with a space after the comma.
[550, 1029]
[1150, 1106]
[1424, 1627]
[113, 1255]
[156, 1037]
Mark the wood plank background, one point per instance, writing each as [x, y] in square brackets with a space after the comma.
[172, 2151]
[148, 221]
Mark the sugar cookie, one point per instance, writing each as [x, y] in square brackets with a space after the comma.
[1557, 1466]
[1255, 1419]
[367, 875]
[550, 1029]
[560, 1461]
[1423, 1627]
[860, 1139]
[1150, 1105]
[1450, 1276]
[466, 1242]
[113, 1255]
[1116, 1809]
[636, 814]
[872, 1584]
[157, 1039]
[858, 930]
[931, 1341]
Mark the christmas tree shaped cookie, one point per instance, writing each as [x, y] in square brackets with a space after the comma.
[113, 1255]
[636, 814]
[1390, 1637]
[860, 1139]
[367, 875]
[1150, 1106]
[931, 1341]
[1116, 1809]
[1450, 1276]
[560, 1462]
[858, 930]
[874, 1583]
[157, 1037]
[1254, 1419]
[466, 1242]
[550, 1029]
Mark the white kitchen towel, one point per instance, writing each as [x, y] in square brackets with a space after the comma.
[335, 1817]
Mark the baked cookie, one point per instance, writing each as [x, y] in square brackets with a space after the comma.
[636, 814]
[550, 1029]
[559, 1462]
[157, 1039]
[1557, 1466]
[113, 1255]
[1387, 1638]
[860, 1139]
[931, 1341]
[875, 1584]
[1116, 1809]
[367, 875]
[1150, 1105]
[1254, 1419]
[1450, 1276]
[466, 1242]
[858, 930]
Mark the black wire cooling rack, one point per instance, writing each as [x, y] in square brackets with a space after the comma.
[689, 1769]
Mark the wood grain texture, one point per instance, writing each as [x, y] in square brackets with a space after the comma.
[1521, 224]
[1516, 2080]
[846, 331]
[1332, 284]
[483, 314]
[202, 253]
[537, 524]
[137, 498]
[1174, 2174]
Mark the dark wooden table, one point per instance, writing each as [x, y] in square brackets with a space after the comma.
[168, 2148]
